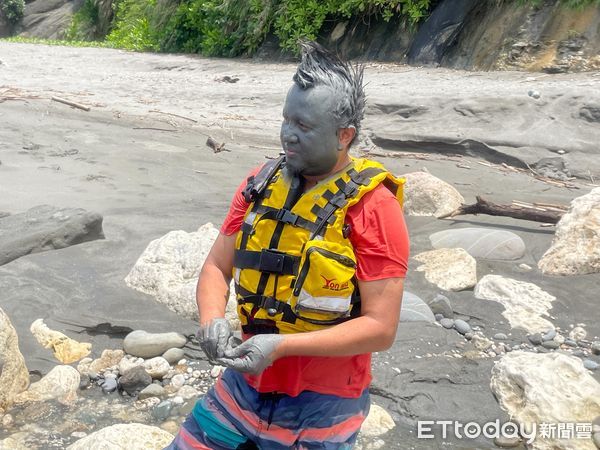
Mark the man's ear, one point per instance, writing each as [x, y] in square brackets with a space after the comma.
[345, 136]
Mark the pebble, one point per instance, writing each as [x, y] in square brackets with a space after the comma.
[570, 342]
[590, 365]
[177, 381]
[441, 305]
[177, 400]
[500, 337]
[469, 336]
[162, 410]
[152, 390]
[196, 374]
[551, 345]
[135, 380]
[78, 434]
[84, 381]
[7, 421]
[438, 316]
[595, 347]
[534, 94]
[577, 333]
[173, 355]
[447, 323]
[216, 371]
[549, 335]
[535, 339]
[579, 353]
[524, 266]
[461, 326]
[109, 385]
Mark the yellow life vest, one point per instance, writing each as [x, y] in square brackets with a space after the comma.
[294, 267]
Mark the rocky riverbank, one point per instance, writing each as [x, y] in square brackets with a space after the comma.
[497, 322]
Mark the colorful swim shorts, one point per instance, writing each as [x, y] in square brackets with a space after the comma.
[233, 415]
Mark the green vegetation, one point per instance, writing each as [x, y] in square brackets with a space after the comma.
[84, 22]
[12, 10]
[27, 40]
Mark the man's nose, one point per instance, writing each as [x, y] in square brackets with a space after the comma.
[290, 138]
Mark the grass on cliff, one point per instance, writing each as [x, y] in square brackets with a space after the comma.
[64, 43]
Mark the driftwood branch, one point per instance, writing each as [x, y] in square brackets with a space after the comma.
[545, 213]
[70, 103]
[216, 147]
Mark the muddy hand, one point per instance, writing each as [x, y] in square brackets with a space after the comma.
[252, 356]
[214, 338]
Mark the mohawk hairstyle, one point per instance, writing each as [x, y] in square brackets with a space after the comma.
[320, 67]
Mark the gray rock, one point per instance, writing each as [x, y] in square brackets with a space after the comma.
[595, 347]
[173, 355]
[481, 242]
[534, 94]
[570, 342]
[535, 338]
[590, 365]
[162, 410]
[135, 379]
[149, 345]
[447, 323]
[507, 442]
[549, 335]
[441, 305]
[554, 167]
[109, 385]
[461, 326]
[579, 353]
[439, 317]
[500, 337]
[84, 382]
[596, 439]
[414, 309]
[46, 228]
[152, 390]
[550, 345]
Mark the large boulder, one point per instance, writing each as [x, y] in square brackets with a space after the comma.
[60, 384]
[576, 246]
[45, 228]
[426, 195]
[414, 309]
[482, 243]
[169, 268]
[132, 436]
[48, 19]
[451, 269]
[551, 388]
[14, 376]
[524, 303]
[66, 350]
[149, 345]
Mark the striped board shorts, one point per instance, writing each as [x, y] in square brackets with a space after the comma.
[233, 415]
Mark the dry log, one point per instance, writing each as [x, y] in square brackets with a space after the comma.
[70, 103]
[217, 148]
[534, 213]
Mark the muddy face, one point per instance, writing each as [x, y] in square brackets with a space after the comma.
[309, 131]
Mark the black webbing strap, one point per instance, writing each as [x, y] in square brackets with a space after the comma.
[259, 182]
[285, 216]
[270, 261]
[266, 302]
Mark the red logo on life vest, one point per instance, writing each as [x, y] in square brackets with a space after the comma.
[333, 286]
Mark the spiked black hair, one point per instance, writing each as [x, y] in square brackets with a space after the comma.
[320, 67]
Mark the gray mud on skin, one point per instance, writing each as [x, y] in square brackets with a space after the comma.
[146, 182]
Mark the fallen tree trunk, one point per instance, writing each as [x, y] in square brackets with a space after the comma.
[520, 210]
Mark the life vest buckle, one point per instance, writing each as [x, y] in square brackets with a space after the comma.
[271, 261]
[286, 216]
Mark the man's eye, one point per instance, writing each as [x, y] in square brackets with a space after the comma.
[303, 126]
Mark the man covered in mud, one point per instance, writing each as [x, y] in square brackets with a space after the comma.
[318, 249]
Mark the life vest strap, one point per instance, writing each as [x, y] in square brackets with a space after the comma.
[269, 261]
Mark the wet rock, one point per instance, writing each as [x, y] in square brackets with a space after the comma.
[162, 410]
[441, 305]
[546, 388]
[554, 167]
[447, 323]
[378, 422]
[590, 364]
[449, 269]
[107, 359]
[500, 336]
[534, 94]
[482, 243]
[426, 195]
[157, 367]
[576, 245]
[462, 327]
[84, 381]
[591, 113]
[168, 270]
[414, 309]
[46, 228]
[173, 355]
[595, 347]
[109, 385]
[149, 345]
[66, 350]
[61, 384]
[130, 436]
[152, 390]
[14, 376]
[549, 335]
[135, 380]
[524, 303]
[550, 345]
[570, 343]
[535, 338]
